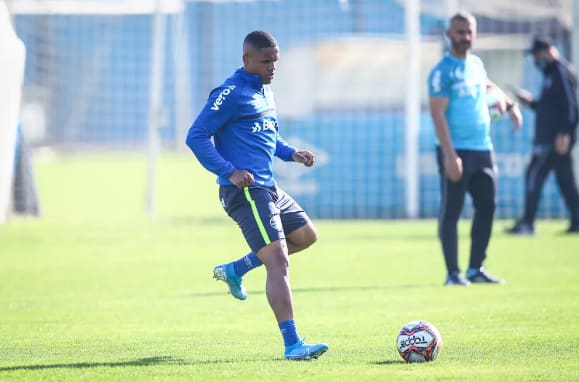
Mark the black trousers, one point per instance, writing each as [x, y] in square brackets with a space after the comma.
[541, 164]
[479, 180]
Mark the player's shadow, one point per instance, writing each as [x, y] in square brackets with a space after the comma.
[388, 362]
[150, 361]
[327, 289]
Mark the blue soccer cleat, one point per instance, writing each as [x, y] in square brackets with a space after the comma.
[225, 272]
[302, 351]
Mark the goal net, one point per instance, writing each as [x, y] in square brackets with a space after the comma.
[343, 86]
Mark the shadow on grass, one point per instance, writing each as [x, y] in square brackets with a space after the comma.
[151, 361]
[388, 362]
[328, 289]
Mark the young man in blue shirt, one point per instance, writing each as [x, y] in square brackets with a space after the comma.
[240, 116]
[457, 88]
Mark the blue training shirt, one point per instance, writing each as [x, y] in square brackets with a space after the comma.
[464, 83]
[241, 117]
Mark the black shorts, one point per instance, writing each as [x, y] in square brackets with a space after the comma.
[264, 214]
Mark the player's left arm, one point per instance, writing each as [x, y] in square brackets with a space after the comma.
[289, 153]
[510, 105]
[566, 114]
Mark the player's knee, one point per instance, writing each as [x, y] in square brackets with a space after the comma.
[311, 237]
[303, 237]
[275, 256]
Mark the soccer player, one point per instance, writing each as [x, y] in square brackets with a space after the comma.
[240, 116]
[555, 127]
[457, 89]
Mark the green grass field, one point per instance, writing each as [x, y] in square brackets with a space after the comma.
[98, 291]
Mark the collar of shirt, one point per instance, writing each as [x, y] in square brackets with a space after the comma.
[456, 59]
[252, 79]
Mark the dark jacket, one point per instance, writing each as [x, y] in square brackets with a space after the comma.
[556, 109]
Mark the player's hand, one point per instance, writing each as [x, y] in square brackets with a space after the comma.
[516, 117]
[242, 178]
[562, 143]
[305, 157]
[453, 167]
[524, 96]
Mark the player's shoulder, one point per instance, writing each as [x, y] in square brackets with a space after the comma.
[444, 65]
[226, 93]
[474, 59]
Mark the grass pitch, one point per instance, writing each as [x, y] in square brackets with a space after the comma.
[98, 291]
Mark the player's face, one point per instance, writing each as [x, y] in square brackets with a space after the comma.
[541, 59]
[461, 34]
[262, 62]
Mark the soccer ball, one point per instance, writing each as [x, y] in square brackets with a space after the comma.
[419, 341]
[496, 103]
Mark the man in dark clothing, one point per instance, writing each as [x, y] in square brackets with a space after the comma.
[555, 126]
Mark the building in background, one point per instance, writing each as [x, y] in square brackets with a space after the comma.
[341, 85]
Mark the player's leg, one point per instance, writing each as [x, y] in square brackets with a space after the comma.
[566, 181]
[299, 230]
[300, 233]
[482, 187]
[301, 238]
[535, 176]
[275, 258]
[243, 206]
[451, 202]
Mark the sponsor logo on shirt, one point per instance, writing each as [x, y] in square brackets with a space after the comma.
[435, 83]
[267, 125]
[221, 97]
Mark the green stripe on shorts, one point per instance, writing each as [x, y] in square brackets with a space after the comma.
[256, 216]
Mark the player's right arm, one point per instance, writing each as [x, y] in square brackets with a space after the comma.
[438, 103]
[217, 112]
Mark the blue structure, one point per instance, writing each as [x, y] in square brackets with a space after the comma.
[98, 93]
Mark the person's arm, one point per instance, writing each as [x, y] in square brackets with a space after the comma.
[216, 113]
[565, 99]
[452, 162]
[510, 106]
[566, 113]
[289, 153]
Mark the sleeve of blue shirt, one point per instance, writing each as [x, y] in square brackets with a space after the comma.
[213, 116]
[283, 150]
[438, 83]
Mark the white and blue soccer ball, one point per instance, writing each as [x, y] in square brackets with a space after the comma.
[419, 341]
[496, 103]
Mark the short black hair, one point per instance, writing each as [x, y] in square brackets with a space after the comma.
[463, 16]
[257, 40]
[539, 44]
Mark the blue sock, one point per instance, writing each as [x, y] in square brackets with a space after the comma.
[289, 332]
[246, 264]
[472, 271]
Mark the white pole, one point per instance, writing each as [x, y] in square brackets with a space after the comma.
[412, 108]
[182, 80]
[156, 101]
